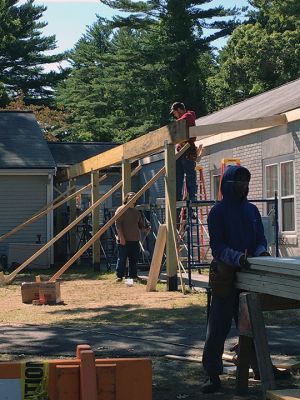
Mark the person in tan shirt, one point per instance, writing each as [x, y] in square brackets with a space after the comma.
[128, 227]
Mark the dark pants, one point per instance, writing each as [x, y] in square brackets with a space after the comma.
[222, 311]
[186, 167]
[130, 250]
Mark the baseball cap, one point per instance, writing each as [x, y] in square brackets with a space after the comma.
[177, 105]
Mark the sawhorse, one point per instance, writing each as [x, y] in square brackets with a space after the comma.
[252, 332]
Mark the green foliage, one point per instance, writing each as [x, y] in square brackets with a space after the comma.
[22, 51]
[260, 55]
[127, 72]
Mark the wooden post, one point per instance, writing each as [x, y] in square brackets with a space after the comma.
[126, 177]
[170, 205]
[96, 220]
[72, 217]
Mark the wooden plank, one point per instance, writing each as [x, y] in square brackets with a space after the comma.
[135, 149]
[266, 285]
[100, 161]
[106, 381]
[265, 278]
[170, 206]
[293, 115]
[154, 141]
[72, 217]
[95, 219]
[278, 262]
[67, 382]
[261, 343]
[157, 258]
[239, 125]
[9, 278]
[273, 303]
[225, 136]
[109, 223]
[276, 291]
[285, 394]
[126, 177]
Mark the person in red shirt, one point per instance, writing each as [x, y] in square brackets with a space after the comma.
[185, 165]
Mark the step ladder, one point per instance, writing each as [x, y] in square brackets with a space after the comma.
[226, 162]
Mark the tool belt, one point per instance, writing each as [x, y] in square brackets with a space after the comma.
[221, 278]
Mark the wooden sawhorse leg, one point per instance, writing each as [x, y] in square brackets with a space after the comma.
[252, 327]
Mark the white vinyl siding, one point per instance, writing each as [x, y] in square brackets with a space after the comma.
[21, 196]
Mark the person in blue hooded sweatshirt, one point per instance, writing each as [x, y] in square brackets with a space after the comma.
[236, 230]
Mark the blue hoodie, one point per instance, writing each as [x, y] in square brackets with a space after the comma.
[235, 225]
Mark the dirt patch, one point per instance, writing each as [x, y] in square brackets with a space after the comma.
[103, 300]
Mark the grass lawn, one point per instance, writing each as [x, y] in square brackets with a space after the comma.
[92, 299]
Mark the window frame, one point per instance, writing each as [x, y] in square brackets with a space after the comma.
[279, 163]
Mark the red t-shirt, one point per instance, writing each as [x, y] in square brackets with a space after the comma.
[190, 118]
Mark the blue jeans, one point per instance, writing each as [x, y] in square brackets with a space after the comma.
[186, 167]
[130, 250]
[222, 311]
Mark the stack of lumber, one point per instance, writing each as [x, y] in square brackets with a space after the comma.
[270, 275]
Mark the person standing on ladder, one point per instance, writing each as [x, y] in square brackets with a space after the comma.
[185, 165]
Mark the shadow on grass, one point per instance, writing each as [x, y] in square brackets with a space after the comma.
[133, 315]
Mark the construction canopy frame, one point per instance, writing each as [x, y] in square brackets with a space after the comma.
[151, 143]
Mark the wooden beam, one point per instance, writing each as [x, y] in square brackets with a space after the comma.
[96, 219]
[72, 217]
[240, 125]
[9, 278]
[135, 149]
[126, 177]
[170, 199]
[154, 141]
[292, 115]
[157, 257]
[100, 161]
[109, 223]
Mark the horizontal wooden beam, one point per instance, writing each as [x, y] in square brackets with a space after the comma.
[135, 149]
[154, 141]
[234, 126]
[293, 115]
[100, 161]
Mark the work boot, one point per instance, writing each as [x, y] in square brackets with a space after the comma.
[212, 385]
[119, 279]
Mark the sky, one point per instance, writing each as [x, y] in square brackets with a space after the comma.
[69, 19]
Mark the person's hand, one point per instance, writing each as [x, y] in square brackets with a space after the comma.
[244, 263]
[265, 254]
[122, 241]
[178, 147]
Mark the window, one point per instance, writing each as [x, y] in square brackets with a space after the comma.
[280, 179]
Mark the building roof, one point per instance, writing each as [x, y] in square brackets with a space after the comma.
[69, 153]
[22, 144]
[275, 101]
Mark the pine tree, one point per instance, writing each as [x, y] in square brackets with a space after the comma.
[22, 52]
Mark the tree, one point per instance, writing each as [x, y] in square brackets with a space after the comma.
[22, 52]
[260, 55]
[181, 28]
[53, 121]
